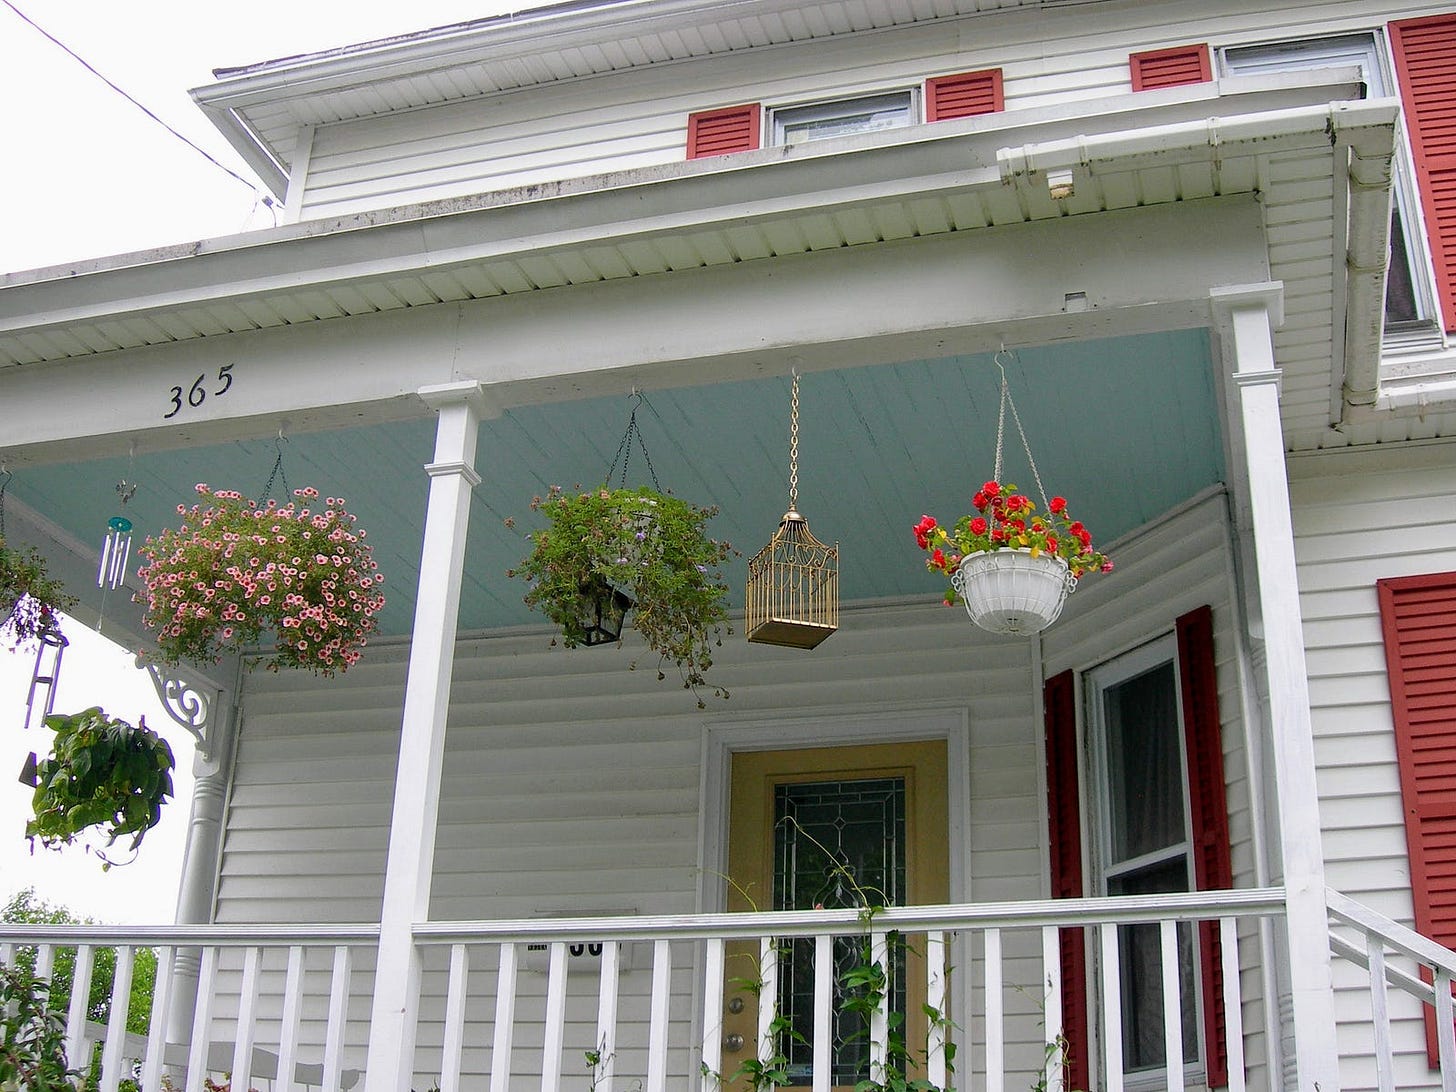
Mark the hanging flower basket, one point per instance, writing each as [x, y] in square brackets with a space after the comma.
[29, 599]
[1012, 566]
[236, 574]
[637, 552]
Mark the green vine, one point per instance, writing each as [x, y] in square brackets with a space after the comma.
[32, 1036]
[102, 772]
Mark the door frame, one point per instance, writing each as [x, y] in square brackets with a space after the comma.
[887, 724]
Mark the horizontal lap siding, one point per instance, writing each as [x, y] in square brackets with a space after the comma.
[1359, 518]
[639, 119]
[572, 784]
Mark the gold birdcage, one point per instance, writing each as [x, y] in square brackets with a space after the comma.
[793, 582]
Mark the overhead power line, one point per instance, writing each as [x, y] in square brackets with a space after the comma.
[90, 68]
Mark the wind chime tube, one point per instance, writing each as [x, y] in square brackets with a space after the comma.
[115, 552]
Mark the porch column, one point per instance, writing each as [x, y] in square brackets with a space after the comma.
[409, 867]
[1246, 318]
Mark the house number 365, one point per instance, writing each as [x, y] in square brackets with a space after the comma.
[197, 393]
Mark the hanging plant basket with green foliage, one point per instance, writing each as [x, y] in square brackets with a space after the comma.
[236, 573]
[29, 599]
[101, 772]
[650, 547]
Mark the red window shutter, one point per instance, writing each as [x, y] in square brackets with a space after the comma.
[1208, 804]
[1064, 825]
[718, 132]
[1170, 67]
[1425, 64]
[1418, 615]
[963, 95]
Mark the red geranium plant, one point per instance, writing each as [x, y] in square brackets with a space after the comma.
[235, 570]
[1007, 520]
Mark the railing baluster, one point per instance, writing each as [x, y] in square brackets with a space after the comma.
[338, 1016]
[880, 1018]
[1053, 1064]
[157, 1030]
[45, 961]
[555, 1019]
[1445, 1031]
[661, 1007]
[112, 1053]
[1172, 1005]
[292, 1012]
[995, 1014]
[7, 953]
[936, 1001]
[1111, 1007]
[505, 1020]
[80, 1001]
[455, 999]
[712, 1011]
[1233, 1003]
[607, 1013]
[246, 1027]
[823, 1012]
[1380, 1014]
[201, 1021]
[768, 996]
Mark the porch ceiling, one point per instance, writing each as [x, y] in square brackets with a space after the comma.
[879, 446]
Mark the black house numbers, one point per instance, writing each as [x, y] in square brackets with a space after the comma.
[199, 390]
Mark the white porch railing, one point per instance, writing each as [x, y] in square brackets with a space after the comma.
[1391, 955]
[508, 1006]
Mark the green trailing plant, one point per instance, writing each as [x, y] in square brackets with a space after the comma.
[101, 772]
[864, 987]
[650, 546]
[29, 598]
[33, 1045]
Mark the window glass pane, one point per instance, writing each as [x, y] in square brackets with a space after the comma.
[1140, 948]
[832, 119]
[830, 837]
[1144, 764]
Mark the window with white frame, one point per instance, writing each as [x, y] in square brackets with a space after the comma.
[1144, 842]
[1409, 302]
[843, 117]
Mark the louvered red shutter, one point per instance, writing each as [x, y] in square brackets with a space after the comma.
[963, 95]
[1064, 826]
[1208, 807]
[1170, 67]
[1425, 64]
[1418, 614]
[718, 132]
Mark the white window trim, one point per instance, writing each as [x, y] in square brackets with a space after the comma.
[832, 107]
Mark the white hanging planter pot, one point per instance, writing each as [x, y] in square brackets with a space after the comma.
[1010, 592]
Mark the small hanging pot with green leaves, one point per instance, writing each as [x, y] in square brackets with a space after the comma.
[102, 772]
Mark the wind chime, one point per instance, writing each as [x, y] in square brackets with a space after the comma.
[793, 582]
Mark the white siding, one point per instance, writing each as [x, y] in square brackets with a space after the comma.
[572, 784]
[1359, 517]
[639, 118]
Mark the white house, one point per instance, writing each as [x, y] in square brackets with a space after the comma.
[1217, 244]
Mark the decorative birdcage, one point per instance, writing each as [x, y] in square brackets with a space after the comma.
[793, 582]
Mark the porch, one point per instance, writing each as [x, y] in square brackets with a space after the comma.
[637, 1002]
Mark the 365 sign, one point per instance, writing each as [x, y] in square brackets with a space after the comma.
[198, 392]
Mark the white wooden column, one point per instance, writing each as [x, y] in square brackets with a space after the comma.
[1246, 318]
[410, 864]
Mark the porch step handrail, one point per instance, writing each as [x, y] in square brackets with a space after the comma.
[1396, 936]
[1122, 909]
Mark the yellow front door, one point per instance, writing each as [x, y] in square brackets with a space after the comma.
[832, 827]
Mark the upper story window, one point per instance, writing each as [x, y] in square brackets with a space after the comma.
[1408, 297]
[842, 117]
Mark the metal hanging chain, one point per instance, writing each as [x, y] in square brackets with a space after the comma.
[5, 479]
[624, 449]
[794, 445]
[278, 471]
[1007, 400]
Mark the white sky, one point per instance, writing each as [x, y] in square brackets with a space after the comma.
[84, 173]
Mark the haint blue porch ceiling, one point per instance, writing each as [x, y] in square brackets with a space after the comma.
[1125, 428]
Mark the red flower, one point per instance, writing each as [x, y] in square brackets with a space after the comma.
[1057, 504]
[1076, 527]
[980, 500]
[978, 526]
[938, 558]
[991, 489]
[1014, 504]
